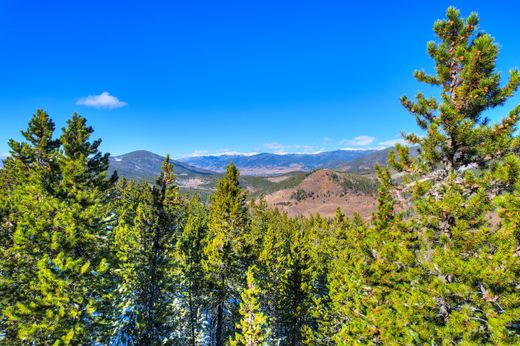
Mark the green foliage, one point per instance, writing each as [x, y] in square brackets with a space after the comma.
[224, 251]
[88, 260]
[190, 274]
[300, 195]
[252, 327]
[55, 266]
[465, 164]
[150, 222]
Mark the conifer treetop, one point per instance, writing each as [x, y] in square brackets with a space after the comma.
[457, 132]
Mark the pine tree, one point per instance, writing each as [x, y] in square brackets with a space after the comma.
[60, 222]
[371, 284]
[253, 238]
[296, 286]
[39, 149]
[271, 268]
[27, 172]
[149, 224]
[190, 273]
[131, 238]
[324, 312]
[252, 327]
[228, 220]
[507, 239]
[453, 183]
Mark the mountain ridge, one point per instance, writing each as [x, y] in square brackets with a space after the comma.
[204, 170]
[146, 165]
[272, 164]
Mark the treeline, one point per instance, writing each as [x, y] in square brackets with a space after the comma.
[88, 258]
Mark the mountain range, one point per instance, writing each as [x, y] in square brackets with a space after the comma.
[299, 184]
[146, 165]
[271, 164]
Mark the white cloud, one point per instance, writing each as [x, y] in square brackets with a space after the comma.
[326, 140]
[195, 153]
[283, 149]
[227, 152]
[274, 146]
[359, 141]
[235, 153]
[392, 142]
[103, 100]
[361, 149]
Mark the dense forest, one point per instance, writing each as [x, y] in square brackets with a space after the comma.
[87, 258]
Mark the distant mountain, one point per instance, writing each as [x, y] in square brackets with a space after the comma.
[367, 162]
[270, 164]
[145, 165]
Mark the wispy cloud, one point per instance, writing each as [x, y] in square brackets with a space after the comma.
[358, 141]
[227, 152]
[361, 149]
[282, 149]
[275, 146]
[103, 100]
[392, 142]
[326, 140]
[196, 153]
[234, 153]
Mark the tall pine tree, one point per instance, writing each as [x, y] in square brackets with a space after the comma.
[252, 327]
[58, 242]
[190, 274]
[26, 175]
[149, 224]
[223, 263]
[453, 183]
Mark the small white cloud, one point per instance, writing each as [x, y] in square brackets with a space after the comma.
[283, 149]
[362, 149]
[359, 141]
[103, 100]
[224, 152]
[234, 153]
[392, 142]
[195, 153]
[274, 146]
[326, 140]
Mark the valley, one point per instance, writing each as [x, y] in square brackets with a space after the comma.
[299, 184]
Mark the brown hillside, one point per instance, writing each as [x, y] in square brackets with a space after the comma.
[323, 191]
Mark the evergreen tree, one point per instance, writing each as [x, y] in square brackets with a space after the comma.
[320, 244]
[372, 292]
[252, 327]
[58, 257]
[26, 174]
[145, 243]
[253, 238]
[297, 286]
[271, 268]
[190, 273]
[453, 183]
[228, 220]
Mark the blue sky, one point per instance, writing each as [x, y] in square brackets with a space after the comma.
[199, 77]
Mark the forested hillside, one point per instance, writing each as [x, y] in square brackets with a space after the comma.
[87, 258]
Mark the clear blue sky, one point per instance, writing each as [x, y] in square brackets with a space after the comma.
[214, 76]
